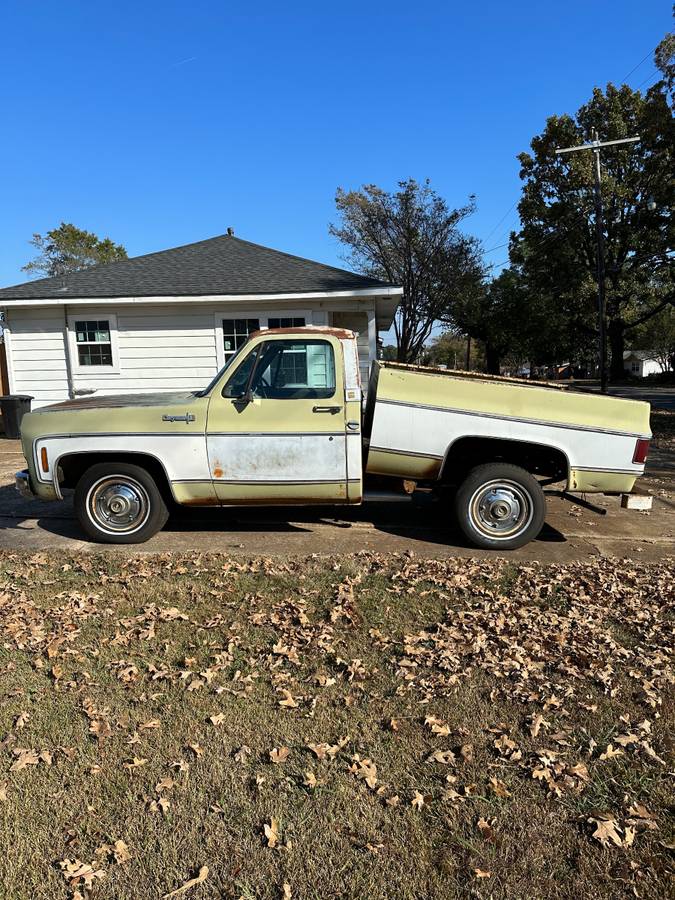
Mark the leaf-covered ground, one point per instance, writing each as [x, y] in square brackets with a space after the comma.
[362, 727]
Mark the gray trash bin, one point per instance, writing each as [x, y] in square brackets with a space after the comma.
[14, 407]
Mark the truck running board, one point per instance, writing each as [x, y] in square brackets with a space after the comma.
[385, 497]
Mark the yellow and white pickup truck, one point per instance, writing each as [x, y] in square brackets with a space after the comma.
[283, 424]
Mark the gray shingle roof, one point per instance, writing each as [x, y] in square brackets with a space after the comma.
[219, 265]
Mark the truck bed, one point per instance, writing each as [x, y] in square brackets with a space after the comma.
[414, 415]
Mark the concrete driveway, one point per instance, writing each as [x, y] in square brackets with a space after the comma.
[422, 525]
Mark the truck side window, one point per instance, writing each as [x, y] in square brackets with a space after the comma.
[287, 370]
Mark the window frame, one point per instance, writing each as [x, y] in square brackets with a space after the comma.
[262, 316]
[100, 316]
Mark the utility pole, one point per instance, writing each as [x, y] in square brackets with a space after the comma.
[596, 146]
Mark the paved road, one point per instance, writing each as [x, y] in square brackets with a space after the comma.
[659, 397]
[422, 525]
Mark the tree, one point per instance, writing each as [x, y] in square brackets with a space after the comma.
[658, 337]
[664, 59]
[450, 348]
[410, 238]
[556, 248]
[389, 353]
[511, 322]
[68, 249]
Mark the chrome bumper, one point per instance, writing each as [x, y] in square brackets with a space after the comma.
[23, 485]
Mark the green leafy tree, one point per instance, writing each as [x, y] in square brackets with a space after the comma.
[68, 249]
[556, 248]
[658, 337]
[664, 58]
[389, 353]
[507, 318]
[450, 348]
[410, 237]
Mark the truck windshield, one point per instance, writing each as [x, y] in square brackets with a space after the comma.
[216, 378]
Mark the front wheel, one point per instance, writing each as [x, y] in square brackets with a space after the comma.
[500, 506]
[119, 503]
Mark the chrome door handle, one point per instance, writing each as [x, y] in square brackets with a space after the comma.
[188, 417]
[327, 409]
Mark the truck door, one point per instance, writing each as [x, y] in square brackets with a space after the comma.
[276, 426]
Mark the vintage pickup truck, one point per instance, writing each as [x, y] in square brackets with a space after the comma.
[283, 423]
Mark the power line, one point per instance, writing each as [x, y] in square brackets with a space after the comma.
[635, 68]
[651, 75]
[579, 216]
[496, 247]
[509, 210]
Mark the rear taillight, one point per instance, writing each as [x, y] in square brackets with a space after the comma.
[641, 450]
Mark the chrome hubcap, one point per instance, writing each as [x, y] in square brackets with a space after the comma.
[501, 509]
[118, 503]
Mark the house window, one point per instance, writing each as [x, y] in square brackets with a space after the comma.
[94, 343]
[287, 322]
[635, 367]
[235, 334]
[233, 331]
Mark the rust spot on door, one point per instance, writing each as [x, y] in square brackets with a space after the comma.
[217, 472]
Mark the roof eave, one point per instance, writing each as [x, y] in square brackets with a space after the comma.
[389, 291]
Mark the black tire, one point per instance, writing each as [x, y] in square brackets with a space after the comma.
[500, 506]
[119, 503]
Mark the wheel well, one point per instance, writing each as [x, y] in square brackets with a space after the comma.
[538, 459]
[72, 466]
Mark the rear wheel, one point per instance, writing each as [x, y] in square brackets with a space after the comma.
[500, 506]
[119, 503]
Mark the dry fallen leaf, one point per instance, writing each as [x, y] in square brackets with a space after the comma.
[279, 754]
[610, 753]
[121, 852]
[21, 720]
[310, 780]
[272, 832]
[499, 788]
[165, 784]
[217, 719]
[202, 876]
[418, 800]
[288, 701]
[445, 757]
[75, 871]
[606, 831]
[24, 758]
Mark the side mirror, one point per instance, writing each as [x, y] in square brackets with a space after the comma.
[243, 399]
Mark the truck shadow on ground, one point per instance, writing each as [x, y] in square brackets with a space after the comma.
[424, 520]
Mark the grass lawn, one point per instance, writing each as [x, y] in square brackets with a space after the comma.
[357, 727]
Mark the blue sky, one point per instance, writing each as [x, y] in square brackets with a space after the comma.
[158, 124]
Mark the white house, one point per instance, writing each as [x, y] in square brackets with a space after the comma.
[170, 320]
[640, 363]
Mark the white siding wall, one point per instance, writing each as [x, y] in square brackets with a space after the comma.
[159, 349]
[37, 354]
